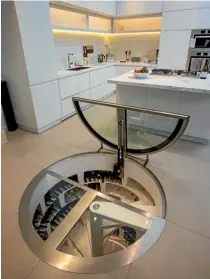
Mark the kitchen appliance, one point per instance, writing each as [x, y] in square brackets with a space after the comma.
[101, 58]
[197, 59]
[200, 39]
[110, 58]
[135, 59]
[173, 72]
[92, 58]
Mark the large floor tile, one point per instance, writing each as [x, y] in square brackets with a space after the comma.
[43, 271]
[178, 254]
[17, 258]
[188, 203]
[121, 273]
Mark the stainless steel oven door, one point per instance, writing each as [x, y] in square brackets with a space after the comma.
[202, 41]
[196, 63]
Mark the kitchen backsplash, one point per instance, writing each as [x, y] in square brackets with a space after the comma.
[140, 45]
[68, 42]
[73, 43]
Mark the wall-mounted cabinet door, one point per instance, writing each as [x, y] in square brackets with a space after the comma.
[125, 8]
[107, 7]
[186, 19]
[174, 47]
[184, 5]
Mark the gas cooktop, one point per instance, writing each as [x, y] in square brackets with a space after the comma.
[173, 72]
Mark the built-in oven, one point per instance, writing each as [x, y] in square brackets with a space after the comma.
[200, 39]
[196, 61]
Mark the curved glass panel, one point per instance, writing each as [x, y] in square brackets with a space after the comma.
[100, 120]
[138, 130]
[147, 133]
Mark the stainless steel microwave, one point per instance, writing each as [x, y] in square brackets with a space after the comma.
[200, 39]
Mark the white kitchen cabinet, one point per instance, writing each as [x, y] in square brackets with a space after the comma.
[107, 7]
[186, 19]
[184, 5]
[46, 102]
[85, 94]
[83, 82]
[97, 92]
[68, 107]
[174, 47]
[126, 8]
[161, 100]
[37, 40]
[197, 107]
[94, 78]
[106, 73]
[68, 86]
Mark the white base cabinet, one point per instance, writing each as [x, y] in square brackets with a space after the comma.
[46, 102]
[91, 85]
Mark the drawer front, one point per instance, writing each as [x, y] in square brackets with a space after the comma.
[67, 106]
[85, 94]
[94, 78]
[96, 92]
[106, 73]
[83, 82]
[68, 86]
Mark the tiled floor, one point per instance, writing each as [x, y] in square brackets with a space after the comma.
[183, 250]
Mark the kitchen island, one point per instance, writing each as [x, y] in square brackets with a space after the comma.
[174, 94]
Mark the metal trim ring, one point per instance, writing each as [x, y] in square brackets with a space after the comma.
[47, 251]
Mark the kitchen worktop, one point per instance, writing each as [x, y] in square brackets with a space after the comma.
[179, 83]
[65, 73]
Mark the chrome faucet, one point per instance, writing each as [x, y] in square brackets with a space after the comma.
[69, 59]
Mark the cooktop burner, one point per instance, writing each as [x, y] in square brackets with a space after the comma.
[173, 72]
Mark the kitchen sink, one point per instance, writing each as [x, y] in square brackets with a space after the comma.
[78, 68]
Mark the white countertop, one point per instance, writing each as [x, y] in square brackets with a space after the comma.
[179, 83]
[65, 73]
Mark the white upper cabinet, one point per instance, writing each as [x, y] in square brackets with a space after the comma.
[184, 5]
[107, 7]
[37, 40]
[186, 19]
[174, 47]
[125, 8]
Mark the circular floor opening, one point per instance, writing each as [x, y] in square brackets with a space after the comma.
[79, 216]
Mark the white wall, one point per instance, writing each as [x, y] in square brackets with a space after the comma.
[3, 121]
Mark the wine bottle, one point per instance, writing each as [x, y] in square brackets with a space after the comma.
[204, 71]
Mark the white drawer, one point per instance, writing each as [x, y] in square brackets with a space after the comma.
[83, 82]
[85, 94]
[94, 78]
[68, 86]
[67, 106]
[106, 73]
[96, 92]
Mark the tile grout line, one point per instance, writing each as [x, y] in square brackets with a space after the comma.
[208, 237]
[32, 269]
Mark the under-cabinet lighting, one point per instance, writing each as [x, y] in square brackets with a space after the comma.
[140, 33]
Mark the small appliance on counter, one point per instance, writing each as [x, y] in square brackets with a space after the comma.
[92, 58]
[101, 58]
[110, 58]
[135, 59]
